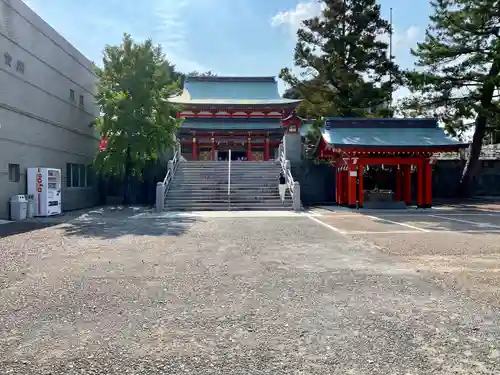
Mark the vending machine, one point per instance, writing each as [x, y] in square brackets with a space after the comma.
[45, 186]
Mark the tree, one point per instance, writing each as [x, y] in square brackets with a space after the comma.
[345, 65]
[459, 71]
[137, 121]
[204, 74]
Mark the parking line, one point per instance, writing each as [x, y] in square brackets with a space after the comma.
[380, 232]
[477, 224]
[402, 224]
[326, 225]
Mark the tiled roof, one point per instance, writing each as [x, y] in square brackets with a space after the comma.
[230, 124]
[387, 137]
[231, 91]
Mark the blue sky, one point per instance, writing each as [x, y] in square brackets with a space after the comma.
[229, 37]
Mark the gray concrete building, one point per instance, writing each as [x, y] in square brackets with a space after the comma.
[46, 108]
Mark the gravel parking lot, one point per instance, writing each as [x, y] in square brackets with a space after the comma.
[234, 294]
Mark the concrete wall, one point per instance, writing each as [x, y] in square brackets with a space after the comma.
[41, 122]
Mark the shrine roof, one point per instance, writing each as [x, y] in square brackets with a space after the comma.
[238, 91]
[231, 124]
[386, 132]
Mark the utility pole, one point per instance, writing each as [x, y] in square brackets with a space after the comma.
[390, 57]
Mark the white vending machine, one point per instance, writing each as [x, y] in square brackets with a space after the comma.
[45, 186]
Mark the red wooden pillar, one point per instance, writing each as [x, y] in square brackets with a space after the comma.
[361, 196]
[345, 186]
[338, 186]
[428, 184]
[406, 175]
[195, 149]
[213, 149]
[266, 149]
[399, 191]
[341, 190]
[249, 148]
[352, 177]
[420, 184]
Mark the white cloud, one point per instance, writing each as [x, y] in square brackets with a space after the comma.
[293, 18]
[171, 32]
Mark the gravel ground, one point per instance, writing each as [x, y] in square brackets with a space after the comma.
[228, 296]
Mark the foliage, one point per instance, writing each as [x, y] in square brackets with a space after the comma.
[459, 71]
[137, 121]
[204, 74]
[345, 64]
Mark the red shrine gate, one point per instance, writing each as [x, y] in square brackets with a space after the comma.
[354, 144]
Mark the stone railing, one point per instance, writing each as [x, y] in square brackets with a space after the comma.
[163, 187]
[293, 186]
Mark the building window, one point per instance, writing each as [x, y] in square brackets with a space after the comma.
[14, 173]
[20, 66]
[7, 58]
[81, 101]
[72, 94]
[77, 175]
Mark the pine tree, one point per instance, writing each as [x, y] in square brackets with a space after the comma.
[459, 71]
[344, 62]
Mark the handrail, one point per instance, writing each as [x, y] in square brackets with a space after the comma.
[172, 167]
[286, 170]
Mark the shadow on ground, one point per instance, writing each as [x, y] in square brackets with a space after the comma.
[108, 229]
[106, 222]
[18, 227]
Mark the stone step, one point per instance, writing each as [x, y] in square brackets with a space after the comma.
[199, 185]
[226, 208]
[202, 193]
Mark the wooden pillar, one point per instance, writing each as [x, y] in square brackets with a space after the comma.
[406, 175]
[213, 148]
[195, 149]
[399, 190]
[249, 148]
[266, 149]
[361, 196]
[428, 184]
[352, 177]
[341, 186]
[337, 186]
[420, 184]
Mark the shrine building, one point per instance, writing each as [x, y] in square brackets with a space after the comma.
[243, 114]
[353, 145]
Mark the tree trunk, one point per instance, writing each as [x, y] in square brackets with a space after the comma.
[464, 188]
[128, 174]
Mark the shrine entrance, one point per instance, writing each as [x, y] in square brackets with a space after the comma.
[352, 172]
[375, 158]
[235, 155]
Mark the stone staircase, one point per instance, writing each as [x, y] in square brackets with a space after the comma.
[203, 185]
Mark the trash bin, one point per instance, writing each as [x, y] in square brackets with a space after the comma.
[30, 212]
[18, 207]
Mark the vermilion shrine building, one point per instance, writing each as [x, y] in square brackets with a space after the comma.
[244, 114]
[353, 144]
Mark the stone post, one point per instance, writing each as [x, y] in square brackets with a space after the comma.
[171, 167]
[292, 144]
[160, 197]
[296, 197]
[280, 150]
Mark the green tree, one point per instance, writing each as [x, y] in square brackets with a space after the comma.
[137, 121]
[345, 65]
[203, 74]
[459, 72]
